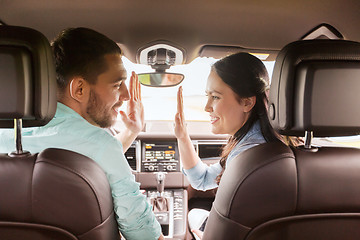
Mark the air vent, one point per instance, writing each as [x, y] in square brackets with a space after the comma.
[131, 155]
[209, 150]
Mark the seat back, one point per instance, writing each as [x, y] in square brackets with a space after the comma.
[55, 194]
[274, 191]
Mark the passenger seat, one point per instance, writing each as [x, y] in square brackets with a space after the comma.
[273, 191]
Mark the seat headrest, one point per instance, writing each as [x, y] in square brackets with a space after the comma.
[316, 87]
[27, 77]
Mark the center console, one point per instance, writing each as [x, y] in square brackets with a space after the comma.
[172, 217]
[156, 166]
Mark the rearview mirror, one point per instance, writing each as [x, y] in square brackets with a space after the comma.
[160, 79]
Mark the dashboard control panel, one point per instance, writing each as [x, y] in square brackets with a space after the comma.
[160, 157]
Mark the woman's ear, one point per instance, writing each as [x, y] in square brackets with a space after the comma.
[249, 103]
[79, 89]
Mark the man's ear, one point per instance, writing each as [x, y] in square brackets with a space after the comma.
[79, 89]
[249, 103]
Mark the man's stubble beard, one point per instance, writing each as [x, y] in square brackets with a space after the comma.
[97, 112]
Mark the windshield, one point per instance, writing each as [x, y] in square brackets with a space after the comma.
[160, 103]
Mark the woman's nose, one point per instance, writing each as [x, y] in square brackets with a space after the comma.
[208, 107]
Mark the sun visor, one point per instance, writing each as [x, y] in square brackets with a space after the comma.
[223, 51]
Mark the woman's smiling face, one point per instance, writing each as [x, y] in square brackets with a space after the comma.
[227, 111]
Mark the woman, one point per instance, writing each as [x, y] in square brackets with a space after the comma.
[237, 98]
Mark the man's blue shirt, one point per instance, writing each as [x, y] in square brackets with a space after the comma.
[68, 130]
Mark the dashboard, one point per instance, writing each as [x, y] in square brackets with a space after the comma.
[159, 155]
[147, 156]
[156, 150]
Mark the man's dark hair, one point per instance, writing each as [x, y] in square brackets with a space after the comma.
[80, 52]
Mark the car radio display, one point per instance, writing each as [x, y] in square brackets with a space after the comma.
[160, 157]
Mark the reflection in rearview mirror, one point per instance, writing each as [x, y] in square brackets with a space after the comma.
[160, 79]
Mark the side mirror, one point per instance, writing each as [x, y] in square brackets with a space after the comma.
[160, 79]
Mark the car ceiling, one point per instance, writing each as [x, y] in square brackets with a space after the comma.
[252, 24]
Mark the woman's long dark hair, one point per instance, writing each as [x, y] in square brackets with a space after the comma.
[247, 76]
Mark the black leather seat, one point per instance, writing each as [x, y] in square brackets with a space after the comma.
[55, 194]
[273, 191]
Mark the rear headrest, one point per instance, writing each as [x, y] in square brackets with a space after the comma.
[27, 77]
[316, 87]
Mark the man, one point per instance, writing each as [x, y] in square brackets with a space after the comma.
[91, 88]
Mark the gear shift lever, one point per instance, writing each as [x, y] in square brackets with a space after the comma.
[160, 179]
[160, 203]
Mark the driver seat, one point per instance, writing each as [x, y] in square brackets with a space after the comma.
[55, 194]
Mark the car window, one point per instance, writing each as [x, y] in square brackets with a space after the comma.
[350, 141]
[160, 103]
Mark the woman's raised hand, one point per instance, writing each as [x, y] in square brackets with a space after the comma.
[180, 125]
[188, 155]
